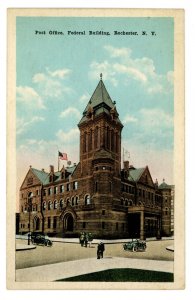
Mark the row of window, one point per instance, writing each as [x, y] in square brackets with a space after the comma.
[74, 201]
[91, 139]
[54, 190]
[127, 188]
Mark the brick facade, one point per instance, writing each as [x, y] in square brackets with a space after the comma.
[95, 195]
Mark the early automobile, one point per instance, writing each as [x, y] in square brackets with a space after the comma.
[40, 239]
[135, 245]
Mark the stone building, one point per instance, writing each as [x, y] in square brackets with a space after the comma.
[96, 195]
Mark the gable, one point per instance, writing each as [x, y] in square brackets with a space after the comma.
[146, 178]
[30, 180]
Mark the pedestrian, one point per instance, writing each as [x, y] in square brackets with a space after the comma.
[100, 250]
[82, 238]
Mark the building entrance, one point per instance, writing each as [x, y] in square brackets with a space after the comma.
[134, 225]
[68, 222]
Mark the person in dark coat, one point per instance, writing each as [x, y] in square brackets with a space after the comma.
[100, 250]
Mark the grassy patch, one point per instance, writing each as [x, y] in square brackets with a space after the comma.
[124, 275]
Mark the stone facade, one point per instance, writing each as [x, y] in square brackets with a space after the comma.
[95, 195]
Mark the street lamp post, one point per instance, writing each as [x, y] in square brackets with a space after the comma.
[29, 210]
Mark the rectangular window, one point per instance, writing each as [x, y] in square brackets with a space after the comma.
[54, 222]
[37, 192]
[55, 190]
[84, 225]
[103, 212]
[68, 187]
[117, 226]
[44, 192]
[61, 189]
[49, 222]
[103, 225]
[75, 185]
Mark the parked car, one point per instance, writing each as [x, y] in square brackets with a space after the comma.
[136, 245]
[40, 239]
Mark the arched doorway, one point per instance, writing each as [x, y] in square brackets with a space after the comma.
[36, 223]
[68, 222]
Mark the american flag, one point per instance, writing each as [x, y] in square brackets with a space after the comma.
[62, 156]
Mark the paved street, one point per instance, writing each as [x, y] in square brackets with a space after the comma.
[64, 252]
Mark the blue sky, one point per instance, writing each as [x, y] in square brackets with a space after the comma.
[57, 74]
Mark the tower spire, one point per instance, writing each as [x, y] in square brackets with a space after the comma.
[101, 76]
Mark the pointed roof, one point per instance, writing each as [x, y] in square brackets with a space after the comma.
[44, 176]
[99, 102]
[164, 185]
[41, 175]
[135, 174]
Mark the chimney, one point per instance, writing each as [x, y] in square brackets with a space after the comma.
[126, 165]
[51, 169]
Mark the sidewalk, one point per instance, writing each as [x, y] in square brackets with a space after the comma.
[95, 241]
[53, 272]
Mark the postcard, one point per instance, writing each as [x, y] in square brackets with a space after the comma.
[95, 149]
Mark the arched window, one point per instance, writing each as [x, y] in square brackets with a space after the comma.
[85, 142]
[96, 137]
[61, 203]
[116, 139]
[126, 202]
[112, 140]
[87, 200]
[44, 205]
[55, 204]
[90, 140]
[108, 137]
[130, 203]
[121, 201]
[67, 201]
[49, 205]
[72, 201]
[76, 200]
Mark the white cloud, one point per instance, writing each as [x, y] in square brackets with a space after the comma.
[141, 70]
[130, 71]
[70, 111]
[50, 84]
[106, 69]
[68, 137]
[39, 77]
[84, 98]
[118, 52]
[28, 96]
[156, 118]
[22, 125]
[129, 119]
[61, 73]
